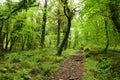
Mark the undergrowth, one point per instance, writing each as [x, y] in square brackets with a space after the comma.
[39, 64]
[102, 66]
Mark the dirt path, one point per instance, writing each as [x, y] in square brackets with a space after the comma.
[71, 68]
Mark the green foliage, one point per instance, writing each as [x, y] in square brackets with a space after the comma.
[21, 30]
[46, 68]
[90, 66]
[39, 64]
[88, 76]
[101, 67]
[104, 71]
[68, 52]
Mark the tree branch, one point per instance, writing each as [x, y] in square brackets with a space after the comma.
[15, 10]
[65, 12]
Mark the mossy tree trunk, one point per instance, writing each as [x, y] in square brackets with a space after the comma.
[42, 43]
[107, 35]
[60, 49]
[59, 24]
[69, 15]
[114, 10]
[1, 37]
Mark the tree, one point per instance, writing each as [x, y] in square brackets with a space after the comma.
[1, 38]
[59, 24]
[44, 24]
[107, 37]
[5, 15]
[114, 10]
[69, 15]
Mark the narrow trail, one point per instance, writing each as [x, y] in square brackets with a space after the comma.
[71, 68]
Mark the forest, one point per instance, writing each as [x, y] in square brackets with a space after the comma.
[59, 39]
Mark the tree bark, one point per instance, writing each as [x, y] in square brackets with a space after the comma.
[66, 45]
[23, 43]
[59, 23]
[13, 40]
[11, 45]
[1, 38]
[7, 41]
[114, 9]
[60, 49]
[69, 15]
[44, 25]
[107, 36]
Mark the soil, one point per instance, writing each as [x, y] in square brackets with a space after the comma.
[71, 68]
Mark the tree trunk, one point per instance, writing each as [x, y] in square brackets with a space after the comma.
[65, 38]
[23, 43]
[11, 46]
[66, 45]
[22, 47]
[114, 9]
[69, 15]
[75, 41]
[59, 22]
[107, 36]
[1, 38]
[44, 25]
[13, 40]
[29, 42]
[7, 41]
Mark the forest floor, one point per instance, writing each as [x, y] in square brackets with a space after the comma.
[71, 68]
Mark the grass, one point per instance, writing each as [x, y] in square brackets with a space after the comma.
[39, 64]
